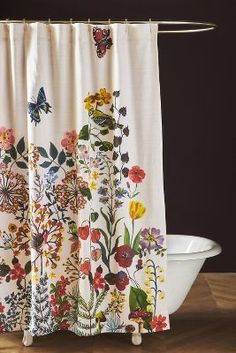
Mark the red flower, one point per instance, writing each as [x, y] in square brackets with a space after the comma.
[95, 235]
[158, 323]
[136, 174]
[122, 280]
[17, 272]
[124, 255]
[56, 311]
[65, 306]
[83, 232]
[64, 325]
[53, 300]
[85, 267]
[2, 308]
[64, 281]
[1, 328]
[98, 281]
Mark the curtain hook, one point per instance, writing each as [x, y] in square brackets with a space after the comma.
[23, 20]
[150, 25]
[71, 21]
[126, 22]
[49, 21]
[88, 20]
[109, 21]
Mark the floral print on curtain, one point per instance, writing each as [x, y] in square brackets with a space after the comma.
[44, 226]
[79, 252]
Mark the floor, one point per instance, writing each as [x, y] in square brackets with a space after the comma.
[206, 323]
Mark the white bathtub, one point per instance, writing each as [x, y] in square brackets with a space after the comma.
[186, 255]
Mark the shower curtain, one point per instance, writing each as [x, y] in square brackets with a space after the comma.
[82, 211]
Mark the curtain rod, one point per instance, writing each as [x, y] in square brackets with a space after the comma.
[201, 26]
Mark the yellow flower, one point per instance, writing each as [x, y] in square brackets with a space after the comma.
[147, 283]
[161, 295]
[90, 100]
[160, 269]
[93, 185]
[148, 270]
[105, 96]
[136, 210]
[149, 308]
[148, 291]
[94, 175]
[149, 300]
[161, 278]
[12, 228]
[34, 278]
[52, 275]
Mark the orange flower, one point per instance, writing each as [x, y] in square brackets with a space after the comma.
[85, 267]
[69, 141]
[7, 138]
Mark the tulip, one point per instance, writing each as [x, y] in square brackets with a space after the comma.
[136, 210]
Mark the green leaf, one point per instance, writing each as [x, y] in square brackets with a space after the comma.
[104, 235]
[137, 299]
[84, 133]
[6, 159]
[42, 152]
[115, 226]
[104, 131]
[21, 146]
[61, 157]
[45, 164]
[53, 151]
[126, 236]
[116, 245]
[21, 165]
[28, 267]
[94, 216]
[12, 152]
[107, 220]
[70, 162]
[86, 192]
[104, 256]
[106, 146]
[136, 242]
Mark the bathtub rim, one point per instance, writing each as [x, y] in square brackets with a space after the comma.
[198, 255]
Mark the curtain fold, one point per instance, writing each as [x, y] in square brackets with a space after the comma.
[82, 209]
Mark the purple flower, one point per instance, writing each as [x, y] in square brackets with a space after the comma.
[151, 239]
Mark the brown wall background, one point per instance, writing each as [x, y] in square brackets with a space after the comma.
[197, 76]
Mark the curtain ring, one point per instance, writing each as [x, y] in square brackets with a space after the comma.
[126, 22]
[49, 21]
[109, 21]
[71, 21]
[23, 20]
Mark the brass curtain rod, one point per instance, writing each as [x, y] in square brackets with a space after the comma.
[201, 26]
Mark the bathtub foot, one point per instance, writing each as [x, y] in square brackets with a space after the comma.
[27, 339]
[136, 339]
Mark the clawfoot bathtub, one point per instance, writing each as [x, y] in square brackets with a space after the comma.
[186, 254]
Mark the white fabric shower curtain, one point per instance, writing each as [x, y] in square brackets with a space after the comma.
[82, 211]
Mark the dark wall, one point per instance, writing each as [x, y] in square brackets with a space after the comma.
[198, 95]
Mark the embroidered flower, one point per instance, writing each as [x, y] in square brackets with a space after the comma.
[95, 235]
[158, 323]
[69, 141]
[124, 255]
[136, 174]
[151, 239]
[7, 138]
[136, 210]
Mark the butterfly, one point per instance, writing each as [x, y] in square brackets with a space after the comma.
[35, 108]
[103, 42]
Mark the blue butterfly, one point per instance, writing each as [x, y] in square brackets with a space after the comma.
[36, 108]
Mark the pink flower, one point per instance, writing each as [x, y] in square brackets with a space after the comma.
[158, 323]
[85, 267]
[69, 141]
[98, 281]
[83, 232]
[136, 174]
[17, 272]
[7, 138]
[2, 307]
[95, 235]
